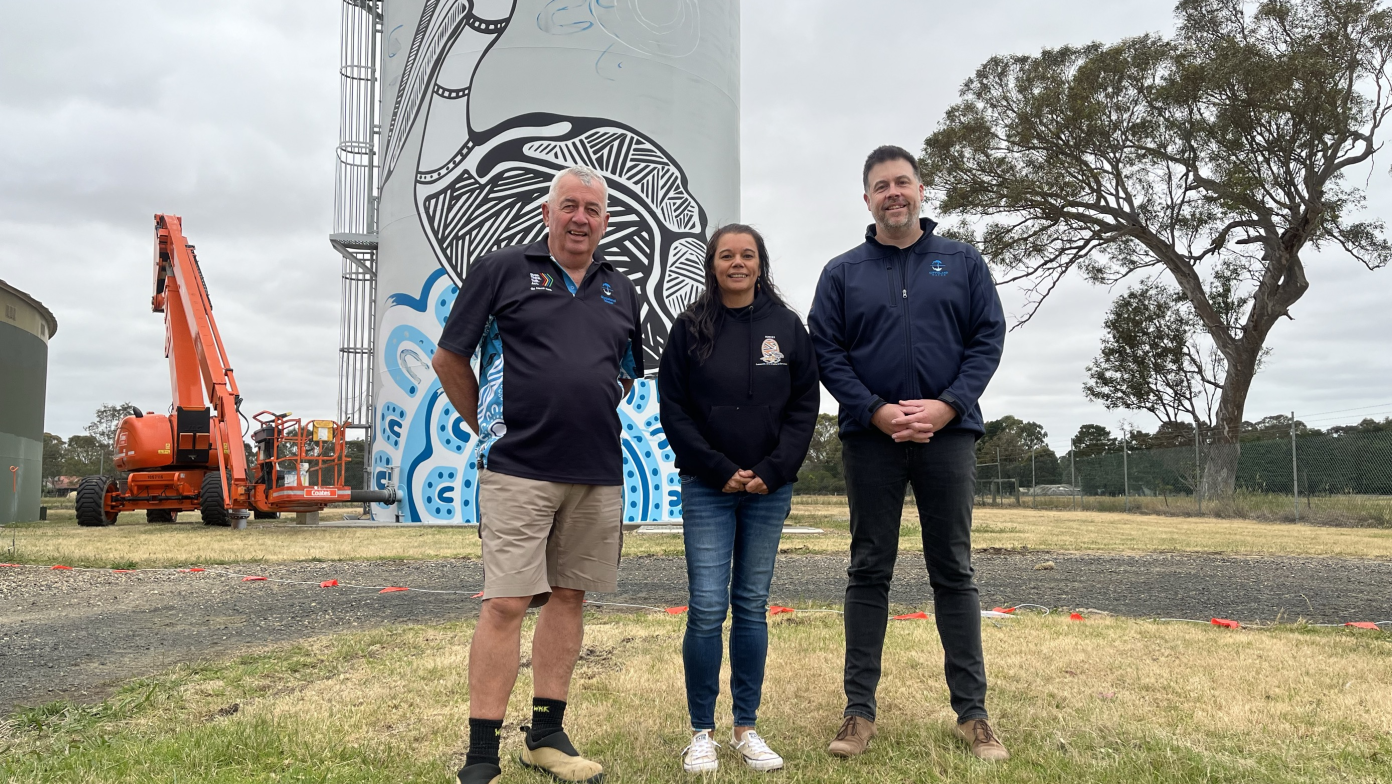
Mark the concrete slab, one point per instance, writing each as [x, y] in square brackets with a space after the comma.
[676, 529]
[351, 523]
[673, 528]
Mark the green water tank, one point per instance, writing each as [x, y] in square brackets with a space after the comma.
[25, 328]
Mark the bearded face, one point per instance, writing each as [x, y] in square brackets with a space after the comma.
[894, 194]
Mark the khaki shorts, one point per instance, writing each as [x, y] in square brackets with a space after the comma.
[539, 535]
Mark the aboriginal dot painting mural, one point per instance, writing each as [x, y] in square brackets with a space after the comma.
[482, 103]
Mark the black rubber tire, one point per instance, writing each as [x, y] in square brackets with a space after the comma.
[91, 502]
[210, 501]
[257, 514]
[160, 515]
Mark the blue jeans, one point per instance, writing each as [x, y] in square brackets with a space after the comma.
[731, 544]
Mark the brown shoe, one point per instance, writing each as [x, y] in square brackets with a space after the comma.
[853, 738]
[984, 743]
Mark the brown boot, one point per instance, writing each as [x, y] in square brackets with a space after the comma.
[853, 738]
[984, 743]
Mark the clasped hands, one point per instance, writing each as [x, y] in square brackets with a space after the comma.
[913, 420]
[746, 481]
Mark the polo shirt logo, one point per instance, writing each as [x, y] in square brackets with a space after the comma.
[771, 354]
[542, 281]
[606, 293]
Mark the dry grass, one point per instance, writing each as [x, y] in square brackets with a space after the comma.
[1345, 509]
[134, 542]
[1108, 700]
[1089, 531]
[140, 544]
[1112, 532]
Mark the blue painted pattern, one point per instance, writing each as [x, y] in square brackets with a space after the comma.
[438, 456]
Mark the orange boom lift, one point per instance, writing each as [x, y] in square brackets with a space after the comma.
[194, 458]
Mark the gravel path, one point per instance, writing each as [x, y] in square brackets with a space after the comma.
[71, 634]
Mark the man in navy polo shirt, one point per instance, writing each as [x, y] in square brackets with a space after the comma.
[561, 332]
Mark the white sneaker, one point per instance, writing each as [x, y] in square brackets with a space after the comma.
[700, 756]
[757, 755]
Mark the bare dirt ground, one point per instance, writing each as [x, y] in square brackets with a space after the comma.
[71, 634]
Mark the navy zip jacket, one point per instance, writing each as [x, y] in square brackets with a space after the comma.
[751, 405]
[922, 322]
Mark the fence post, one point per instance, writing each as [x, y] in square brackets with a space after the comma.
[999, 477]
[1034, 483]
[1295, 473]
[1125, 471]
[1198, 469]
[1073, 472]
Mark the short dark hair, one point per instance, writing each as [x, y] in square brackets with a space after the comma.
[888, 152]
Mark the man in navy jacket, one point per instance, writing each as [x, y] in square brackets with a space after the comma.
[908, 331]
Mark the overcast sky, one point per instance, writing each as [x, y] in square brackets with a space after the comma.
[227, 114]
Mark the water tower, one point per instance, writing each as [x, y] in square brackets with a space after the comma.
[456, 117]
[25, 329]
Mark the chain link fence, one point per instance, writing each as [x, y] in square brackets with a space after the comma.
[1331, 479]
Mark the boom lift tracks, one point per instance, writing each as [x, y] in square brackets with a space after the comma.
[194, 458]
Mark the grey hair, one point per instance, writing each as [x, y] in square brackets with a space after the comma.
[585, 175]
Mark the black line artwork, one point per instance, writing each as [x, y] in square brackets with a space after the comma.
[486, 196]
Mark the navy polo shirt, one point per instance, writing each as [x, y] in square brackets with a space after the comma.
[550, 354]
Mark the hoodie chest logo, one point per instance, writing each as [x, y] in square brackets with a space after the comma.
[937, 268]
[771, 354]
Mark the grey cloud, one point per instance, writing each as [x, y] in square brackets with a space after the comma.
[223, 113]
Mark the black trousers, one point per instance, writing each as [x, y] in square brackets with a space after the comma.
[943, 475]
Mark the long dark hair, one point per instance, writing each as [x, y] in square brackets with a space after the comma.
[707, 310]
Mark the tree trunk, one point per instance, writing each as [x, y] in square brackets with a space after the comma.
[1282, 285]
[1225, 447]
[1220, 469]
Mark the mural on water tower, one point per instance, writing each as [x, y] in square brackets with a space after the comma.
[483, 102]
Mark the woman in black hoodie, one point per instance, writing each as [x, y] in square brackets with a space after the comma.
[739, 396]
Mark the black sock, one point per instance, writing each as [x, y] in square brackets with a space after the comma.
[547, 717]
[484, 735]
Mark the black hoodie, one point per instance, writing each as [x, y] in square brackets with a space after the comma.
[753, 404]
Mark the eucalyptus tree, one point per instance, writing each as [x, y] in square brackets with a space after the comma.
[1222, 152]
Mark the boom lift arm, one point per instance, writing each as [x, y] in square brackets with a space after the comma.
[197, 358]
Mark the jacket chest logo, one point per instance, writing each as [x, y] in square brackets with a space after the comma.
[542, 281]
[770, 352]
[937, 268]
